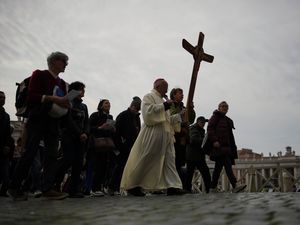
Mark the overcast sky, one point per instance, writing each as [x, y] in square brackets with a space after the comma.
[118, 48]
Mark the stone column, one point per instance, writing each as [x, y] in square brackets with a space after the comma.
[296, 172]
[238, 174]
[252, 180]
[271, 172]
[263, 173]
[287, 182]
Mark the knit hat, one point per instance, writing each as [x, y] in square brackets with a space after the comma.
[202, 118]
[136, 102]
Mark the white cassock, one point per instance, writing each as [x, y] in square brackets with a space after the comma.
[151, 163]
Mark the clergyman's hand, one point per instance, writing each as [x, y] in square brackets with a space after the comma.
[168, 103]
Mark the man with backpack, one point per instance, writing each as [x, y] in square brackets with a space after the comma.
[21, 98]
[46, 93]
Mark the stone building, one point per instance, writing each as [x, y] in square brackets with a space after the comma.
[265, 173]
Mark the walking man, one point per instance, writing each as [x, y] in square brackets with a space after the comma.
[46, 90]
[151, 163]
[224, 150]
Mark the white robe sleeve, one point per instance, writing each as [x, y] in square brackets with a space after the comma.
[153, 110]
[175, 121]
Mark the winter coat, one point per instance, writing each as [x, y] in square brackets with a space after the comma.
[220, 129]
[194, 151]
[97, 119]
[77, 120]
[128, 126]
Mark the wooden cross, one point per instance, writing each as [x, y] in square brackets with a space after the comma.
[199, 55]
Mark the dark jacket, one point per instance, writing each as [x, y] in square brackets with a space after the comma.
[194, 151]
[128, 125]
[220, 129]
[77, 120]
[97, 119]
[4, 131]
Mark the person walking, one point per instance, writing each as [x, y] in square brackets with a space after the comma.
[128, 126]
[224, 150]
[75, 130]
[5, 145]
[47, 104]
[151, 162]
[195, 155]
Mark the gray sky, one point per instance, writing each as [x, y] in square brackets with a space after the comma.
[118, 48]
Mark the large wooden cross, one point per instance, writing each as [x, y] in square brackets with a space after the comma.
[199, 55]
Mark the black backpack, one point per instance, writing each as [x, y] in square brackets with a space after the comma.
[21, 98]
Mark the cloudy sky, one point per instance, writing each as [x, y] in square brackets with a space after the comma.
[118, 48]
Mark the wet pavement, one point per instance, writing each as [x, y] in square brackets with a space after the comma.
[213, 209]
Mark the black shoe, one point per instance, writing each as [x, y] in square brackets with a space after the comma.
[76, 195]
[54, 195]
[158, 192]
[137, 191]
[175, 191]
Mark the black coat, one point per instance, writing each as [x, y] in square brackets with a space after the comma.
[220, 129]
[194, 151]
[128, 126]
[77, 120]
[97, 119]
[4, 131]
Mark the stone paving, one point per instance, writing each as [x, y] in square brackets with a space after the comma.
[212, 209]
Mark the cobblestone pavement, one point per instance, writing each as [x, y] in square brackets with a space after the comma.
[217, 208]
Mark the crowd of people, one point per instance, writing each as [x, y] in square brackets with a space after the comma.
[65, 152]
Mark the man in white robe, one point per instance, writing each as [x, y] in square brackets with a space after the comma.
[151, 163]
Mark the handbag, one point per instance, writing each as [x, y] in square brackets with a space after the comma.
[102, 144]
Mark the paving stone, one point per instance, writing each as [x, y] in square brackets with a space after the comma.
[204, 209]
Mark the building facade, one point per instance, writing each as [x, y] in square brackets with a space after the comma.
[260, 173]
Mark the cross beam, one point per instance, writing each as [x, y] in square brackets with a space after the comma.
[198, 55]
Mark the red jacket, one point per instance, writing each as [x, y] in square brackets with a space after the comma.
[43, 83]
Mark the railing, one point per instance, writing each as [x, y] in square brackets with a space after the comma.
[281, 180]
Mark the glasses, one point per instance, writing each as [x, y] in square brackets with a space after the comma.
[224, 106]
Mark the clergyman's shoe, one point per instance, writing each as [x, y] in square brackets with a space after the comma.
[158, 192]
[175, 191]
[137, 191]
